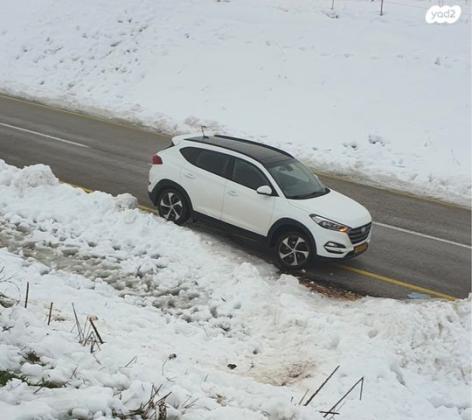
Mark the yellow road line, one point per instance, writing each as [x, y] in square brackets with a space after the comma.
[148, 209]
[364, 273]
[87, 190]
[399, 283]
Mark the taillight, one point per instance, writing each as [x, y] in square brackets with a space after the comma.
[156, 160]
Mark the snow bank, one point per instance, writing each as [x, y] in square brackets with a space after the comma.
[385, 100]
[227, 335]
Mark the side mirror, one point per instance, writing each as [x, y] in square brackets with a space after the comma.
[264, 190]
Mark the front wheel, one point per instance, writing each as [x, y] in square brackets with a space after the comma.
[173, 206]
[293, 250]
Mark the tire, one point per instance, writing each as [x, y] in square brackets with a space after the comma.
[293, 250]
[173, 206]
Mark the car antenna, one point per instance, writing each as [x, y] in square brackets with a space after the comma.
[203, 131]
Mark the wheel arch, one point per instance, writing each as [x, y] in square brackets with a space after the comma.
[286, 224]
[167, 183]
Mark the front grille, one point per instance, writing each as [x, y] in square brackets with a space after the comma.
[359, 234]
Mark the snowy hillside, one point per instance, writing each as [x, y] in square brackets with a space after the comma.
[227, 337]
[382, 99]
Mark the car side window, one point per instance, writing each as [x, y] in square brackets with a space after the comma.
[214, 162]
[247, 174]
[190, 154]
[208, 160]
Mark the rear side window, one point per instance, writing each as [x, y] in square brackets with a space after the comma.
[247, 174]
[214, 162]
[190, 154]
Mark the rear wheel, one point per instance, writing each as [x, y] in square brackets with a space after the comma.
[173, 206]
[293, 250]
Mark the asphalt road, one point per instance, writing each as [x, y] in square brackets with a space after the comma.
[420, 248]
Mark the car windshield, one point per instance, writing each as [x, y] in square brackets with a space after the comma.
[296, 180]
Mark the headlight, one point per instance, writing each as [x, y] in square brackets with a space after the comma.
[329, 224]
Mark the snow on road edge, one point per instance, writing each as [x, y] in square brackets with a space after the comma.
[187, 294]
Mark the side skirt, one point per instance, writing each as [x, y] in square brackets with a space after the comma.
[229, 228]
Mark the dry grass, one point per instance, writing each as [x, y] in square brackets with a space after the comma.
[330, 291]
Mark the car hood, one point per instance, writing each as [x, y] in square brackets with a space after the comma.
[337, 207]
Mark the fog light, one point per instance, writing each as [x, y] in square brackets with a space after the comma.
[334, 245]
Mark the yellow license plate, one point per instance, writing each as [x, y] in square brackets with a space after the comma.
[361, 248]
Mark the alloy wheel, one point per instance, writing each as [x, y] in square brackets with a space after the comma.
[171, 206]
[293, 250]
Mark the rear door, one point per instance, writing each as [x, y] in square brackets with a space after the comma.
[243, 206]
[204, 178]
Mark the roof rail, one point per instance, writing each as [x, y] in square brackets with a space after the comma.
[254, 142]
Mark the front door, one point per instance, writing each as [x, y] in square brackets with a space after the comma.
[242, 205]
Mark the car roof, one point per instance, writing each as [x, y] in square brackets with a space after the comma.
[261, 152]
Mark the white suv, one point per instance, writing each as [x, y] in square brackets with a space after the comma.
[258, 191]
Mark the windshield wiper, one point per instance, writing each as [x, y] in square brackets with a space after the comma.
[310, 195]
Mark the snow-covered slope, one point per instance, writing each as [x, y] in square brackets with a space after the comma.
[227, 336]
[382, 99]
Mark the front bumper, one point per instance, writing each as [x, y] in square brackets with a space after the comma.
[339, 246]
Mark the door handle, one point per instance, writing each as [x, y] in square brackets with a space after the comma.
[232, 193]
[189, 175]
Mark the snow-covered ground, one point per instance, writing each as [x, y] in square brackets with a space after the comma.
[228, 336]
[384, 99]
